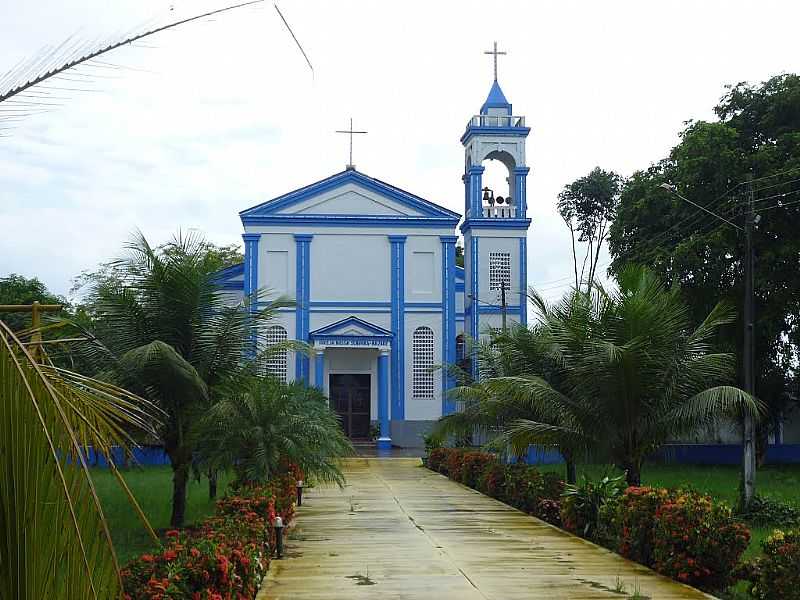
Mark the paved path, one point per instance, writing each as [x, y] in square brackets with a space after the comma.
[400, 531]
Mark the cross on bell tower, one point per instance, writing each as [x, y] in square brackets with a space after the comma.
[495, 53]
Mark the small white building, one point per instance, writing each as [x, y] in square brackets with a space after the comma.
[378, 294]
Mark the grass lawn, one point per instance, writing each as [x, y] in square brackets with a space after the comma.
[781, 482]
[152, 487]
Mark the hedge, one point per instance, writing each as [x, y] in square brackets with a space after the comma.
[679, 533]
[225, 557]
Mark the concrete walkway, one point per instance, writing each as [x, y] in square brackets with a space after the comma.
[400, 531]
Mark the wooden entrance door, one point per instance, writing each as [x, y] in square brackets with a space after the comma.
[350, 398]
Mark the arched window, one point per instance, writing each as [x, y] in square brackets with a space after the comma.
[422, 357]
[275, 363]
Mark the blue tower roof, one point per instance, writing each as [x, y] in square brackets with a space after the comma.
[496, 99]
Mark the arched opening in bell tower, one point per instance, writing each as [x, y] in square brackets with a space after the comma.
[498, 193]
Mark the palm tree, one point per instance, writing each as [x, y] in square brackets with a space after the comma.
[54, 539]
[637, 374]
[164, 329]
[262, 423]
[518, 351]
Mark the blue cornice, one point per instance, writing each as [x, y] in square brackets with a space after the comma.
[502, 131]
[330, 330]
[303, 237]
[251, 237]
[350, 221]
[398, 239]
[426, 207]
[495, 224]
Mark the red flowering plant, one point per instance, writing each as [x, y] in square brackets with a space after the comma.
[437, 458]
[474, 465]
[526, 487]
[696, 540]
[776, 574]
[634, 521]
[455, 463]
[493, 481]
[225, 557]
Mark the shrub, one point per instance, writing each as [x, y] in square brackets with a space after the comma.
[474, 465]
[226, 556]
[696, 541]
[455, 464]
[493, 481]
[583, 504]
[526, 487]
[549, 510]
[768, 511]
[437, 458]
[634, 520]
[776, 575]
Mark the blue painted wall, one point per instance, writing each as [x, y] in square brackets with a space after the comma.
[691, 454]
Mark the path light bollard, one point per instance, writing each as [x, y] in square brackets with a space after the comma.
[279, 537]
[300, 492]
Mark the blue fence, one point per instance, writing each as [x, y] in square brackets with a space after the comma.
[691, 454]
[146, 456]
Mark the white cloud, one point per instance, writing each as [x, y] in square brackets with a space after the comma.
[224, 115]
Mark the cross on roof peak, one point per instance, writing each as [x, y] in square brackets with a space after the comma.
[350, 165]
[495, 52]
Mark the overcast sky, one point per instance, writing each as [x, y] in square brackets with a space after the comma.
[218, 116]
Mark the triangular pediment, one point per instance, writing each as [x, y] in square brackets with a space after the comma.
[351, 327]
[349, 194]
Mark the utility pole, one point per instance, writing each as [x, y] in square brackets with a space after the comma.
[748, 365]
[748, 427]
[503, 310]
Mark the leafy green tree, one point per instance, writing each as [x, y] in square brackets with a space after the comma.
[17, 289]
[162, 328]
[261, 423]
[757, 133]
[636, 374]
[587, 206]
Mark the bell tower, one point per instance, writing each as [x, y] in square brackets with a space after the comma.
[495, 227]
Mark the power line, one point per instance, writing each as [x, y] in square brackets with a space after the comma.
[779, 205]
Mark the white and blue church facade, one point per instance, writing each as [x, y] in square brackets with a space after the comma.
[378, 294]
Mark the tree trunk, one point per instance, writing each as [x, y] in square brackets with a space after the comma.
[180, 477]
[212, 485]
[572, 472]
[633, 474]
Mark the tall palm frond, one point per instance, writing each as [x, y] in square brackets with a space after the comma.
[22, 94]
[54, 540]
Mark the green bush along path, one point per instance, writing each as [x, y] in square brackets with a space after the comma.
[779, 482]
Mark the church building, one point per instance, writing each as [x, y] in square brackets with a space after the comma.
[379, 296]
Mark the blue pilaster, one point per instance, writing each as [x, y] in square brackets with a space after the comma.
[520, 188]
[473, 181]
[385, 440]
[448, 316]
[398, 278]
[251, 241]
[251, 266]
[319, 368]
[523, 280]
[302, 298]
[475, 292]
